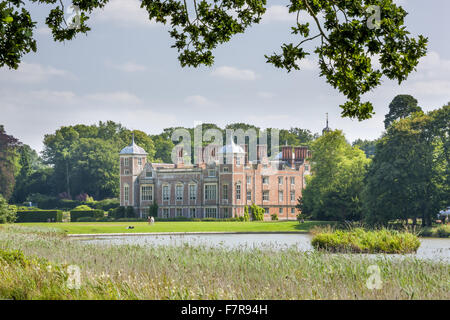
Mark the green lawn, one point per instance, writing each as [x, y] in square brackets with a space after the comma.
[180, 226]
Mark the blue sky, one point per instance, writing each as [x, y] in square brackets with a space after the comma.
[124, 70]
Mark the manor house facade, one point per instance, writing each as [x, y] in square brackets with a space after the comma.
[213, 188]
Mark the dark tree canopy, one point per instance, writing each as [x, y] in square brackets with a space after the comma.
[8, 145]
[401, 106]
[347, 35]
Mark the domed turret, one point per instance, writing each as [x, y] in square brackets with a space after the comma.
[133, 149]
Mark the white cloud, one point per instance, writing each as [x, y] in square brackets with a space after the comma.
[129, 66]
[308, 64]
[277, 13]
[122, 98]
[266, 94]
[199, 101]
[31, 73]
[233, 73]
[124, 13]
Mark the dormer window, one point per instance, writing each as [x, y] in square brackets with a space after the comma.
[211, 173]
[149, 174]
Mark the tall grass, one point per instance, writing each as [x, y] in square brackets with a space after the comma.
[192, 272]
[359, 240]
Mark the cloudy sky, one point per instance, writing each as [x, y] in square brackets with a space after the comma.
[124, 70]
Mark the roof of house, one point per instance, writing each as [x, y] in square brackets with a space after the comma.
[231, 148]
[133, 148]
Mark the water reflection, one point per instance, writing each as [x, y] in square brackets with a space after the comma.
[430, 248]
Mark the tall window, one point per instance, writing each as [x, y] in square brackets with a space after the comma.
[126, 162]
[266, 195]
[146, 193]
[292, 210]
[140, 161]
[238, 160]
[292, 195]
[225, 192]
[249, 196]
[210, 213]
[292, 180]
[280, 196]
[166, 194]
[126, 192]
[249, 180]
[280, 180]
[165, 213]
[179, 212]
[210, 192]
[192, 212]
[226, 213]
[193, 192]
[265, 180]
[238, 192]
[179, 192]
[280, 210]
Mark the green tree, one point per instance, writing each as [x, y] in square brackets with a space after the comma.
[401, 106]
[408, 178]
[8, 163]
[346, 39]
[7, 212]
[333, 191]
[368, 146]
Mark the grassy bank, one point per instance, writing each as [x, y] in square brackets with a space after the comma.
[358, 240]
[188, 272]
[180, 226]
[442, 231]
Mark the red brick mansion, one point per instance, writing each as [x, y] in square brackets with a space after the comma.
[215, 189]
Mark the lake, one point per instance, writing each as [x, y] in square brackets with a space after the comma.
[430, 248]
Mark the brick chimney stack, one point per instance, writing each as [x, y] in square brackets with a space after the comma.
[286, 154]
[301, 153]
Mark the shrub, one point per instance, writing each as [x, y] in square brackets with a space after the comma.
[77, 214]
[7, 212]
[39, 216]
[359, 240]
[82, 207]
[257, 212]
[106, 204]
[274, 216]
[246, 215]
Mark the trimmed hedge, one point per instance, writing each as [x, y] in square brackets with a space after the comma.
[39, 216]
[76, 214]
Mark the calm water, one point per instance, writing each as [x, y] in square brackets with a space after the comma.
[430, 248]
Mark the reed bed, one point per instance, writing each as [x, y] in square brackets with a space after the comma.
[197, 272]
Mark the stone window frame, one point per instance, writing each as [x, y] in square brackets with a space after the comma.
[204, 191]
[193, 195]
[166, 185]
[177, 193]
[126, 193]
[151, 193]
[209, 215]
[225, 191]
